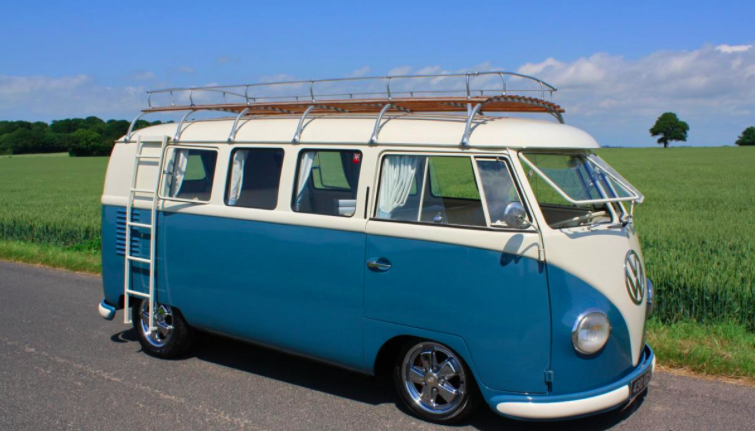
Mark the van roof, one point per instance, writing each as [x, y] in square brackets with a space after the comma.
[395, 129]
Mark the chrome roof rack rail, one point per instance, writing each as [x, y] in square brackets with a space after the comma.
[468, 127]
[180, 125]
[468, 93]
[310, 108]
[232, 135]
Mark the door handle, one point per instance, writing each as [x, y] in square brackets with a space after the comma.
[379, 265]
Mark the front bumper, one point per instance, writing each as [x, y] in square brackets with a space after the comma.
[546, 407]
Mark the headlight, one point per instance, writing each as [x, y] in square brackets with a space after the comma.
[651, 297]
[590, 332]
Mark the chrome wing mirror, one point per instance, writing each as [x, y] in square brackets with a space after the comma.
[515, 216]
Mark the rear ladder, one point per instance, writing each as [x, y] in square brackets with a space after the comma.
[151, 226]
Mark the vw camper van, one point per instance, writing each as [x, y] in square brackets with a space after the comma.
[439, 234]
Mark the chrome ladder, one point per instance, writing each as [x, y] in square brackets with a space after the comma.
[151, 226]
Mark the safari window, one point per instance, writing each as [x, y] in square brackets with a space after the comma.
[190, 174]
[327, 182]
[254, 178]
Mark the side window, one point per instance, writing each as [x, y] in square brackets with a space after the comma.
[254, 178]
[499, 187]
[448, 192]
[190, 174]
[326, 182]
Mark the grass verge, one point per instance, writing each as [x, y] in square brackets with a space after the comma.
[52, 256]
[714, 349]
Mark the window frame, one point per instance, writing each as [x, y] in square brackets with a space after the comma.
[229, 170]
[294, 182]
[473, 157]
[164, 174]
[520, 193]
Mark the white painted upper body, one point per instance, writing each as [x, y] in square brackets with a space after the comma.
[403, 129]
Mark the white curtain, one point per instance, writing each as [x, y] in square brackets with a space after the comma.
[396, 182]
[305, 170]
[180, 161]
[237, 176]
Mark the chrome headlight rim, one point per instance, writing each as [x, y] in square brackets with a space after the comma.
[577, 326]
[650, 299]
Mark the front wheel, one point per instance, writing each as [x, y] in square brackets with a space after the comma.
[172, 337]
[433, 382]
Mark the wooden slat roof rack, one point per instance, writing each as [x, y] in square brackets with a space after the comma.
[470, 93]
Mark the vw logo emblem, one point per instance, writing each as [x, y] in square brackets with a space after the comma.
[635, 277]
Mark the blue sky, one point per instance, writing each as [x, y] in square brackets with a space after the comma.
[617, 66]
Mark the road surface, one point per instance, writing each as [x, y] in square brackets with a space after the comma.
[64, 367]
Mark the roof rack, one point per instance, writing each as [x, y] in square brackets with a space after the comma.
[472, 93]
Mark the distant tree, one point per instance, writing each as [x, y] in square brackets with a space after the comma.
[69, 125]
[88, 143]
[670, 128]
[23, 137]
[747, 137]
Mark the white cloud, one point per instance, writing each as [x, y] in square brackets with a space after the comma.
[67, 96]
[142, 75]
[728, 49]
[17, 87]
[358, 73]
[689, 81]
[400, 70]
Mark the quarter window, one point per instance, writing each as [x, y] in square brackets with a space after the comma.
[326, 182]
[498, 185]
[448, 193]
[190, 174]
[254, 178]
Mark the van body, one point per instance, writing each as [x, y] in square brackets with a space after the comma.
[340, 250]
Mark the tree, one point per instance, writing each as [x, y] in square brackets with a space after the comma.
[747, 137]
[88, 143]
[670, 128]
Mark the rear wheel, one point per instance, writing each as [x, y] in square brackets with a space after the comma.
[434, 383]
[172, 337]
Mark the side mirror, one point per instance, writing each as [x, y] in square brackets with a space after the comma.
[515, 216]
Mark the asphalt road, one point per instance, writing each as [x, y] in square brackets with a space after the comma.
[63, 367]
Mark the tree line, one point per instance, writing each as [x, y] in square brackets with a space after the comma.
[80, 137]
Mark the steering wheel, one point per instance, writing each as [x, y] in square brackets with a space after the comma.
[585, 217]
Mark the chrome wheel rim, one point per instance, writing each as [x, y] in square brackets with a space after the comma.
[434, 378]
[163, 324]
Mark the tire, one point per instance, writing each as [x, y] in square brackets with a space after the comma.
[434, 383]
[173, 336]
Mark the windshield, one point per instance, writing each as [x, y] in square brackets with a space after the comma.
[577, 188]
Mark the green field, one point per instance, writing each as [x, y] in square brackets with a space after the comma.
[50, 210]
[697, 229]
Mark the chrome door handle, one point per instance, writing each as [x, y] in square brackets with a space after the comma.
[379, 265]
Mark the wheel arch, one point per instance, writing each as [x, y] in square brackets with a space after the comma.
[383, 340]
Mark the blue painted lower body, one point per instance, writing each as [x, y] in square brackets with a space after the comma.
[307, 291]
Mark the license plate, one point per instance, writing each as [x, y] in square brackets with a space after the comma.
[641, 383]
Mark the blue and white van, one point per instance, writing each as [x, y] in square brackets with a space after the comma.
[470, 256]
